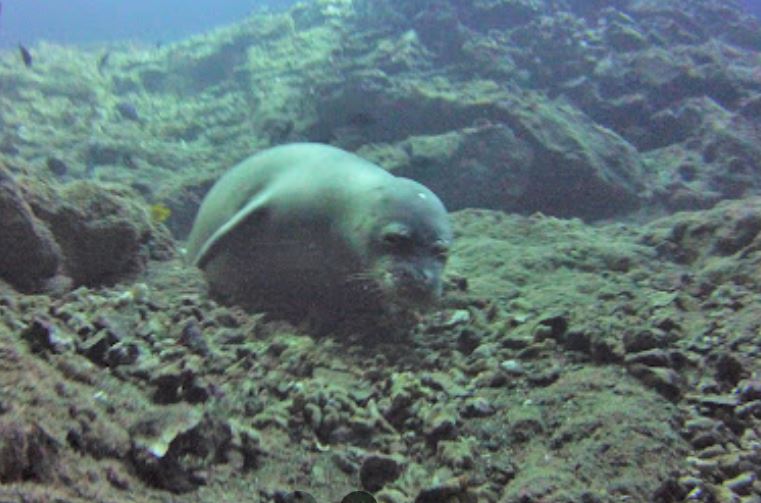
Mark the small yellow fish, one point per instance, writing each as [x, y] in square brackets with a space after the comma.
[159, 213]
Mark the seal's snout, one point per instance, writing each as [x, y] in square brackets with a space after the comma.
[419, 284]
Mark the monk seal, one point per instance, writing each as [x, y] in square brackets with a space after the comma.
[310, 227]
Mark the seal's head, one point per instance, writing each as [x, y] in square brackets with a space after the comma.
[407, 239]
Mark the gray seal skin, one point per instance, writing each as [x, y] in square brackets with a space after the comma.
[307, 228]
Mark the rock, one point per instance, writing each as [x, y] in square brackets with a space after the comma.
[554, 326]
[699, 159]
[404, 393]
[359, 497]
[457, 317]
[458, 455]
[128, 111]
[172, 450]
[113, 153]
[122, 353]
[665, 381]
[192, 337]
[512, 367]
[650, 357]
[27, 453]
[391, 496]
[468, 340]
[706, 439]
[96, 347]
[749, 390]
[57, 166]
[91, 232]
[485, 351]
[440, 31]
[729, 368]
[173, 385]
[501, 471]
[706, 467]
[577, 340]
[293, 497]
[344, 463]
[477, 159]
[749, 410]
[29, 254]
[643, 340]
[97, 436]
[104, 234]
[716, 402]
[605, 350]
[544, 377]
[116, 478]
[486, 16]
[624, 38]
[513, 165]
[249, 444]
[733, 238]
[477, 407]
[377, 471]
[503, 151]
[742, 484]
[43, 335]
[445, 491]
[440, 424]
[701, 424]
[698, 239]
[552, 38]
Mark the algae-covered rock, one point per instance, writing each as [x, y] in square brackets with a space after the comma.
[585, 407]
[377, 471]
[103, 232]
[722, 245]
[521, 153]
[27, 452]
[89, 232]
[486, 166]
[579, 168]
[170, 449]
[29, 254]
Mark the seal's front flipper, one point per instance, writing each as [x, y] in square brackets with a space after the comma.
[247, 220]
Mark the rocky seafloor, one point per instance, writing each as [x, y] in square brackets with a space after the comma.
[599, 339]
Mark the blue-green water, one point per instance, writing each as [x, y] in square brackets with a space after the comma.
[87, 21]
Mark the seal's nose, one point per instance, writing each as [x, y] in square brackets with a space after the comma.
[433, 281]
[423, 283]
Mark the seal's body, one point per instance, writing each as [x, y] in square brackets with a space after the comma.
[307, 226]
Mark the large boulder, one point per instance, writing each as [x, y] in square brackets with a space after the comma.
[721, 245]
[84, 232]
[535, 155]
[716, 156]
[104, 232]
[29, 255]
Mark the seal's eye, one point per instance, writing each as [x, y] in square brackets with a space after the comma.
[397, 241]
[441, 252]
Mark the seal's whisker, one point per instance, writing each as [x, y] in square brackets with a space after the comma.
[366, 281]
[362, 275]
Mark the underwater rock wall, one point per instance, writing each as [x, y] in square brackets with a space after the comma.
[667, 91]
